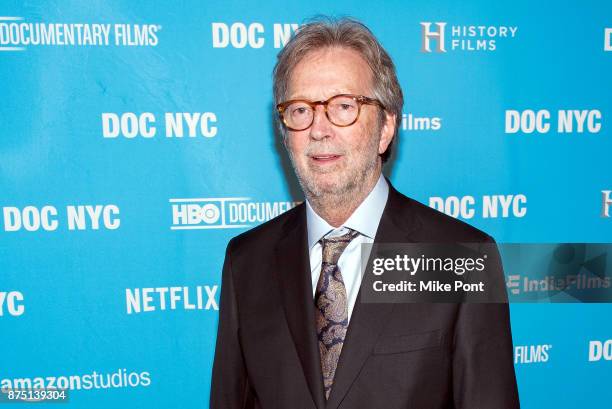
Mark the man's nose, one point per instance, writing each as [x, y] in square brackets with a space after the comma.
[321, 127]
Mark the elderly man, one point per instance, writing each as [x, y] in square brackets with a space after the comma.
[292, 331]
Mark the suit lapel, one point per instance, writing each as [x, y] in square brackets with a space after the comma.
[293, 271]
[368, 319]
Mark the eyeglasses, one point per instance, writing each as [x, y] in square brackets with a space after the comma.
[341, 110]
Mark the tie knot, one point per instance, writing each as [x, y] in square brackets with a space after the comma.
[334, 246]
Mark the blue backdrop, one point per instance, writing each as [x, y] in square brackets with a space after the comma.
[136, 138]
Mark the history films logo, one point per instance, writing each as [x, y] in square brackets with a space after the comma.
[442, 37]
[17, 34]
[606, 203]
[223, 213]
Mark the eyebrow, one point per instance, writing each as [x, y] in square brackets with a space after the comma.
[336, 92]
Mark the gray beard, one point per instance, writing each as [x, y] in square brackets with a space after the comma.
[342, 195]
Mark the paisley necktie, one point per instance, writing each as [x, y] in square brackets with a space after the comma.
[331, 312]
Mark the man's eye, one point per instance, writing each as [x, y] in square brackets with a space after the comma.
[300, 111]
[346, 107]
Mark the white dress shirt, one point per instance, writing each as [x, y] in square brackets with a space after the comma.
[365, 220]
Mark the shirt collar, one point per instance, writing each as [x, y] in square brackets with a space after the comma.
[365, 218]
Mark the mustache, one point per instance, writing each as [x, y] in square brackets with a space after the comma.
[319, 149]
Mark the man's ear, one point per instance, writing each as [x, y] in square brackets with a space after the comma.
[386, 133]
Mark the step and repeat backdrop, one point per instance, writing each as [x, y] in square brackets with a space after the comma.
[137, 138]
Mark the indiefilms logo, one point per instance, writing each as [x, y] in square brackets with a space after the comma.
[17, 34]
[566, 272]
[223, 212]
[441, 37]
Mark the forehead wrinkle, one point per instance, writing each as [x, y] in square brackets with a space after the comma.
[343, 68]
[332, 93]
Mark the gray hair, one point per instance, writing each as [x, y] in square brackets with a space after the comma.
[325, 32]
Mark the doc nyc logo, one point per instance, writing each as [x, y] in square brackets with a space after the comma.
[223, 212]
[441, 37]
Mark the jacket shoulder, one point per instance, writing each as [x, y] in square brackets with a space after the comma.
[268, 232]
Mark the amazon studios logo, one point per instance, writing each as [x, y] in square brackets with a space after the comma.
[223, 213]
[437, 37]
[16, 34]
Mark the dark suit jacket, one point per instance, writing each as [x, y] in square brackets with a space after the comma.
[394, 355]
